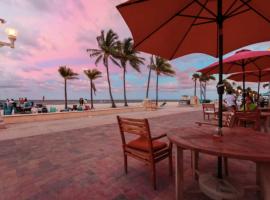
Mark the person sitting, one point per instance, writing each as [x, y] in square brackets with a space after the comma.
[230, 101]
[250, 105]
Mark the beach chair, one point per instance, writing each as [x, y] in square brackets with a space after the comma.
[7, 109]
[145, 148]
[209, 109]
[53, 109]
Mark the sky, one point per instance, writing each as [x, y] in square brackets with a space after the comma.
[52, 33]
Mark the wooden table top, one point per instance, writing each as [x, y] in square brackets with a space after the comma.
[240, 143]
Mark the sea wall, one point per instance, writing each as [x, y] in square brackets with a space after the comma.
[21, 118]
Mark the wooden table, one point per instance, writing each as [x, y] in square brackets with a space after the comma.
[238, 143]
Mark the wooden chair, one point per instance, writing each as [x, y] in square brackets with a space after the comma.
[209, 109]
[248, 119]
[145, 147]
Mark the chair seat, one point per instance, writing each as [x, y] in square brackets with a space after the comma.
[143, 145]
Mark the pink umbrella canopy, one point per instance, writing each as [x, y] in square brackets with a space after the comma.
[252, 76]
[242, 60]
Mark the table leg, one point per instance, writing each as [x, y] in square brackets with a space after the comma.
[264, 179]
[179, 175]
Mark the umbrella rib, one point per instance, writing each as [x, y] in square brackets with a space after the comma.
[130, 3]
[164, 23]
[258, 67]
[237, 13]
[256, 11]
[204, 7]
[236, 9]
[197, 17]
[202, 23]
[189, 29]
[231, 6]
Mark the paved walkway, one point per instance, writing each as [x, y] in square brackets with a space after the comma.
[47, 127]
[87, 164]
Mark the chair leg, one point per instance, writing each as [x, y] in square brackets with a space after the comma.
[170, 164]
[195, 164]
[258, 181]
[226, 168]
[125, 163]
[153, 170]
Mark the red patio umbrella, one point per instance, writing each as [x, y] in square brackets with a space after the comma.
[252, 76]
[241, 61]
[173, 28]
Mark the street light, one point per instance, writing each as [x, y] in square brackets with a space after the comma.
[12, 35]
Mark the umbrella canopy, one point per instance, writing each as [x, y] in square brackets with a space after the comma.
[241, 61]
[244, 60]
[174, 28]
[171, 29]
[252, 76]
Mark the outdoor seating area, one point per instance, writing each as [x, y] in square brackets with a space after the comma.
[73, 169]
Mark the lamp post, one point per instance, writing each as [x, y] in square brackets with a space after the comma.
[12, 35]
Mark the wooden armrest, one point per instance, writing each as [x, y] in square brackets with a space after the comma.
[206, 123]
[158, 137]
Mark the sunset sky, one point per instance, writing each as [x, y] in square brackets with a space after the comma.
[51, 34]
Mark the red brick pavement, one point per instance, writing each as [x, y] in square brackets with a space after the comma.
[87, 164]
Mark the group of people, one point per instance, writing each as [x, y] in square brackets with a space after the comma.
[232, 104]
[82, 101]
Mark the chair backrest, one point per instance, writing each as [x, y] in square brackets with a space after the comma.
[138, 127]
[249, 117]
[229, 120]
[208, 107]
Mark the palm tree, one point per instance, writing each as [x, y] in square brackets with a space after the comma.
[204, 79]
[92, 75]
[195, 77]
[67, 74]
[127, 55]
[107, 43]
[149, 75]
[162, 67]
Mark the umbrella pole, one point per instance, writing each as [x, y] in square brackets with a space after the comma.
[244, 86]
[258, 91]
[220, 86]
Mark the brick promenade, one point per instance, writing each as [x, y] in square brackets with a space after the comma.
[87, 164]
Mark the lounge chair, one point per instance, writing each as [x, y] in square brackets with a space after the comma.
[145, 147]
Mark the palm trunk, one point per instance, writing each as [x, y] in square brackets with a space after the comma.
[200, 90]
[195, 83]
[110, 89]
[157, 91]
[124, 81]
[91, 94]
[65, 94]
[148, 83]
[205, 91]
